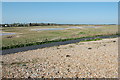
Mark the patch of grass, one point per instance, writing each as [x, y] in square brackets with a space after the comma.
[35, 60]
[46, 41]
[92, 40]
[19, 63]
[29, 38]
[71, 46]
[81, 33]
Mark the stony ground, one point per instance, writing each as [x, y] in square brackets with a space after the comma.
[94, 59]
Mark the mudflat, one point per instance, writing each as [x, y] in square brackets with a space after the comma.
[93, 59]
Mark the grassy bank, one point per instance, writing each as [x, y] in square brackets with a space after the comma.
[59, 40]
[25, 37]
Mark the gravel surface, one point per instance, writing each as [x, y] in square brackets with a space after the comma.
[94, 59]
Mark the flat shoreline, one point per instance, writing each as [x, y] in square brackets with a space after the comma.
[93, 59]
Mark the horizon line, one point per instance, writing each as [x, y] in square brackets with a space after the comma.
[57, 23]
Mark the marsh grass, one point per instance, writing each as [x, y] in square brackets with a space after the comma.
[29, 38]
[82, 33]
[21, 63]
[46, 41]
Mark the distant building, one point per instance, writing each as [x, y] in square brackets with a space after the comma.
[6, 25]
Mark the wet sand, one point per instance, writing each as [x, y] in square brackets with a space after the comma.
[94, 59]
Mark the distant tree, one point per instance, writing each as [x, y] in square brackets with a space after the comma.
[30, 24]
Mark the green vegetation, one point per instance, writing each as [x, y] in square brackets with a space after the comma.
[25, 37]
[92, 40]
[82, 33]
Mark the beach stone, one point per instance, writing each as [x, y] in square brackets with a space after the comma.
[104, 45]
[42, 76]
[89, 48]
[68, 65]
[67, 55]
[114, 41]
[29, 77]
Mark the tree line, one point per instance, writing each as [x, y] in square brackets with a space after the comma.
[43, 24]
[26, 24]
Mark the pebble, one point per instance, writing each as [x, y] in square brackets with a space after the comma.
[89, 48]
[67, 55]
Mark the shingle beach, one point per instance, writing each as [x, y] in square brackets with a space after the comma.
[93, 59]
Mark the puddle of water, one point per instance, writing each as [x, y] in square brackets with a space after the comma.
[6, 34]
[73, 27]
[49, 29]
[55, 29]
[91, 26]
